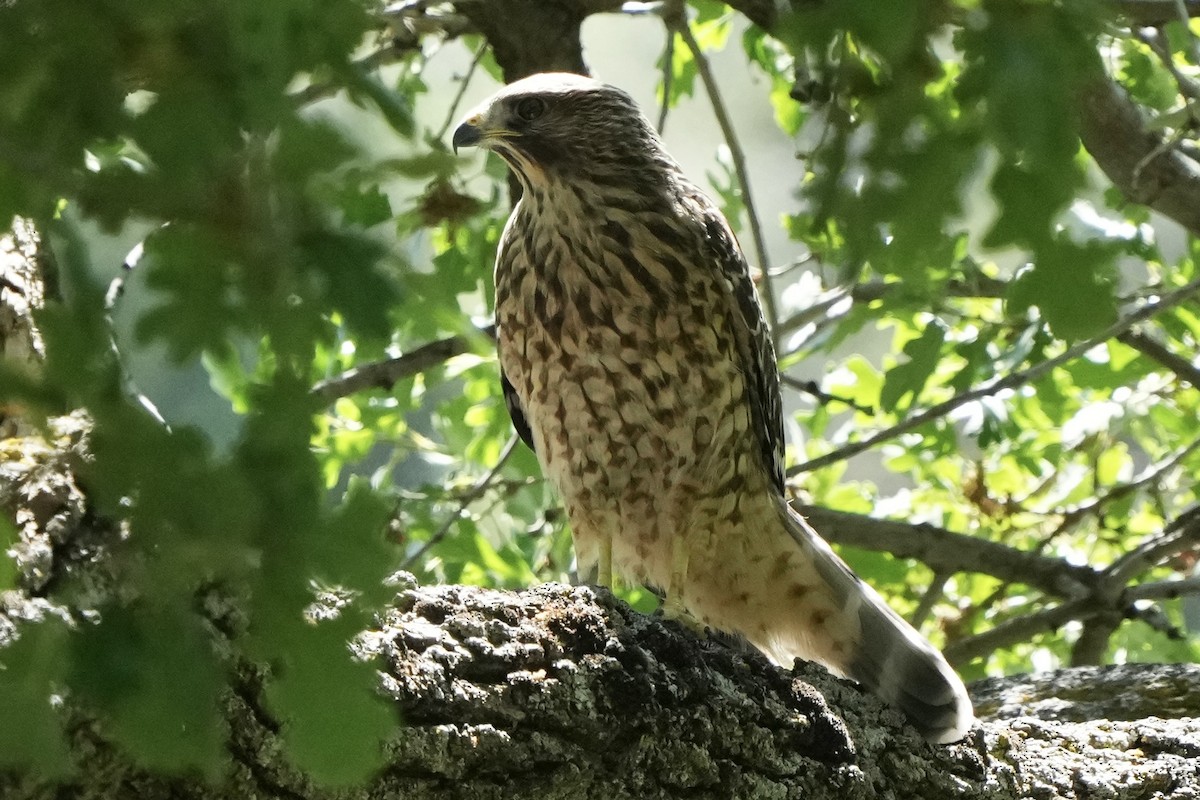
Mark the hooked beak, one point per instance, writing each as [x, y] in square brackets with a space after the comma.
[468, 134]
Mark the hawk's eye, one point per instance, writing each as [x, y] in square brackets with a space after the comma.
[530, 108]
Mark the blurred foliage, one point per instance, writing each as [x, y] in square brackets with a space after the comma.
[283, 252]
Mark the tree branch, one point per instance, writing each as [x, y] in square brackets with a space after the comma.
[1140, 162]
[946, 552]
[1164, 590]
[1018, 629]
[385, 374]
[1181, 535]
[565, 692]
[1156, 12]
[1150, 475]
[1152, 348]
[464, 500]
[529, 36]
[818, 310]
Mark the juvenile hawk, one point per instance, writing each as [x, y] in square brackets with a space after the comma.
[636, 363]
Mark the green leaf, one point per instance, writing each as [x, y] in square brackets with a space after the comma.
[392, 105]
[1031, 120]
[334, 723]
[683, 74]
[30, 673]
[909, 378]
[366, 206]
[1145, 78]
[1073, 287]
[8, 566]
[153, 673]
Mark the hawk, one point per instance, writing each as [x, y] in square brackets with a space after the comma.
[636, 363]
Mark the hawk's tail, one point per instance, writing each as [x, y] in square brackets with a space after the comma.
[890, 657]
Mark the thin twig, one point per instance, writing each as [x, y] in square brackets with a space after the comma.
[679, 23]
[823, 397]
[1157, 619]
[1149, 475]
[1008, 382]
[1181, 535]
[668, 81]
[471, 495]
[452, 113]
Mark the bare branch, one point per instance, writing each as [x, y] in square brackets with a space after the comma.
[935, 591]
[1018, 629]
[1106, 603]
[1156, 12]
[529, 36]
[1180, 536]
[1152, 348]
[1164, 590]
[668, 79]
[1092, 644]
[452, 113]
[385, 374]
[1007, 382]
[947, 552]
[1156, 619]
[1148, 476]
[824, 398]
[876, 290]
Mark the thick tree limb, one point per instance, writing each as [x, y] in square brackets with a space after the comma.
[564, 692]
[1137, 160]
[1125, 692]
[948, 552]
[529, 36]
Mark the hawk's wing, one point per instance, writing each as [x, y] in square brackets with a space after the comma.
[513, 401]
[753, 339]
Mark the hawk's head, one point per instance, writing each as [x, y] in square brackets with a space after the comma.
[560, 125]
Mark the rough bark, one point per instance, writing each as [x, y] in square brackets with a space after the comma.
[22, 290]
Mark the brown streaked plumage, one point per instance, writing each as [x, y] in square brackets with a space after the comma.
[636, 362]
